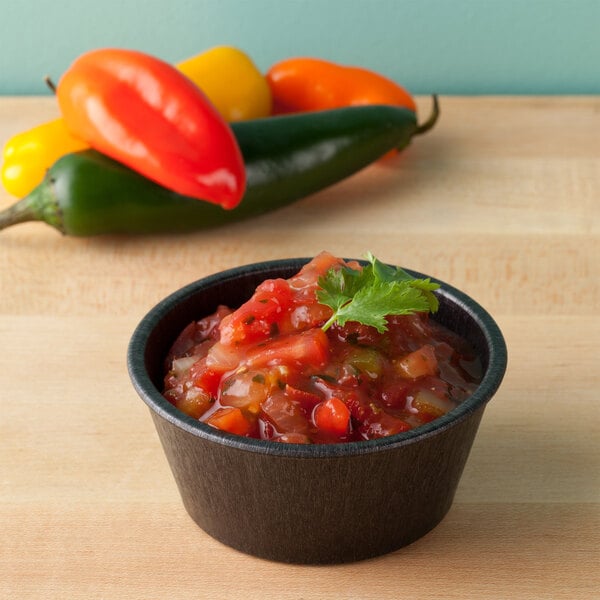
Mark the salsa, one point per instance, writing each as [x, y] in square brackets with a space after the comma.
[269, 370]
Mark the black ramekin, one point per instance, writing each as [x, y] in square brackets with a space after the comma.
[310, 503]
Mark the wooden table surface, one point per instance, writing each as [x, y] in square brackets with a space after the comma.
[501, 200]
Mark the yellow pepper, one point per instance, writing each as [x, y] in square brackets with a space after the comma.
[231, 81]
[28, 155]
[226, 75]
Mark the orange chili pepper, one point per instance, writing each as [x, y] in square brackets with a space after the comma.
[308, 84]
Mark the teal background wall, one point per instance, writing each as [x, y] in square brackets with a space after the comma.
[443, 46]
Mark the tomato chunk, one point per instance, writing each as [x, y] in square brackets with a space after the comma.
[306, 348]
[259, 318]
[232, 420]
[419, 363]
[307, 400]
[383, 425]
[332, 416]
[206, 377]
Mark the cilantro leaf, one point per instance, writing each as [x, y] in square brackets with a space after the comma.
[340, 285]
[371, 305]
[332, 290]
[371, 294]
[427, 288]
[387, 272]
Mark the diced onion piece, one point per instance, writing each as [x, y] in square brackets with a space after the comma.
[286, 415]
[432, 405]
[194, 402]
[181, 365]
[244, 390]
[222, 358]
[292, 438]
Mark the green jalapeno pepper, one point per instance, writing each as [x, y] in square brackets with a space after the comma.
[286, 158]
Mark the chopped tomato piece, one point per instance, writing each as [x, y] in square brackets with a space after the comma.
[307, 400]
[232, 420]
[359, 407]
[306, 348]
[259, 318]
[206, 377]
[382, 425]
[332, 416]
[309, 274]
[419, 363]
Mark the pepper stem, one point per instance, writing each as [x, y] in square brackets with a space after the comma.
[433, 117]
[39, 205]
[50, 84]
[20, 212]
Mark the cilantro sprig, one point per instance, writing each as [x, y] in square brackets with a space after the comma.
[371, 294]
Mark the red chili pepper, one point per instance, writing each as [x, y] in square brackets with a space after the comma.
[144, 113]
[307, 84]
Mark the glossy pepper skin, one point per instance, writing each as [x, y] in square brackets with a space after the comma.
[287, 158]
[231, 81]
[228, 77]
[144, 113]
[307, 84]
[28, 155]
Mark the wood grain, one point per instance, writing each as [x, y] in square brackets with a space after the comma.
[500, 200]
